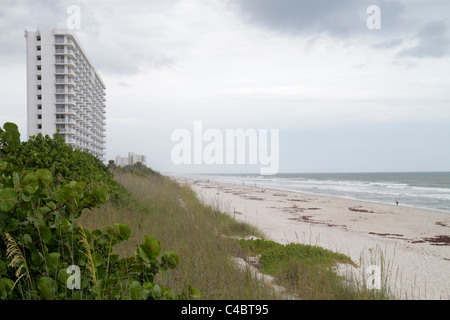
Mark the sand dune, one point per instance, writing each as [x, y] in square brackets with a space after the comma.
[412, 244]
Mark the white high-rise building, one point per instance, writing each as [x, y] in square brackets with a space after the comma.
[64, 91]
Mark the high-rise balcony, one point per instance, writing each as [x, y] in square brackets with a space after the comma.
[64, 70]
[66, 120]
[66, 100]
[65, 61]
[64, 40]
[64, 50]
[68, 130]
[67, 90]
[66, 80]
[66, 110]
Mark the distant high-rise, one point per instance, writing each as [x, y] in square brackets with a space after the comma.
[64, 91]
[131, 159]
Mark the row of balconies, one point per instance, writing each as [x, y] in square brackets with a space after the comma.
[82, 135]
[66, 110]
[70, 94]
[79, 118]
[65, 98]
[66, 71]
[95, 152]
[66, 91]
[63, 39]
[65, 50]
[94, 95]
[66, 81]
[83, 125]
[65, 61]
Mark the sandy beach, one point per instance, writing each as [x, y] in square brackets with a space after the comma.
[412, 244]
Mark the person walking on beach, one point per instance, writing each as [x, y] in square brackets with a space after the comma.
[396, 201]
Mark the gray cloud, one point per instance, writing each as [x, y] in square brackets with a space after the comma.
[402, 23]
[433, 41]
[18, 15]
[127, 34]
[102, 30]
[336, 18]
[388, 44]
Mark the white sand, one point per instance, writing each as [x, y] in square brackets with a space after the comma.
[391, 237]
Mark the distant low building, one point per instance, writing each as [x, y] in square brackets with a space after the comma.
[131, 159]
[135, 158]
[121, 161]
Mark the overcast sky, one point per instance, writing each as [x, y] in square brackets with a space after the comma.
[345, 98]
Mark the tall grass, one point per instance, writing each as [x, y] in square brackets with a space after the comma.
[176, 217]
[309, 271]
[205, 240]
[375, 276]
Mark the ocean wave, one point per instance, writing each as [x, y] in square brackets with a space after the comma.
[431, 189]
[411, 191]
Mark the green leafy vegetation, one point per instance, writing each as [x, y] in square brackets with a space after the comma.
[40, 241]
[126, 227]
[137, 168]
[203, 237]
[307, 271]
[64, 162]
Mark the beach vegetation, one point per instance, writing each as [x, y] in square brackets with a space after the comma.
[307, 271]
[40, 240]
[65, 163]
[203, 237]
[135, 234]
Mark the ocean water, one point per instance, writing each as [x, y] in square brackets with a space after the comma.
[430, 190]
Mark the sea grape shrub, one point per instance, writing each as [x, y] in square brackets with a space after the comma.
[66, 163]
[39, 240]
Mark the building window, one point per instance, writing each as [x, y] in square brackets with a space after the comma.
[59, 59]
[60, 98]
[39, 116]
[60, 108]
[38, 38]
[39, 58]
[39, 126]
[39, 106]
[39, 87]
[39, 77]
[59, 69]
[61, 127]
[60, 88]
[39, 68]
[39, 97]
[59, 39]
[59, 49]
[38, 48]
[60, 79]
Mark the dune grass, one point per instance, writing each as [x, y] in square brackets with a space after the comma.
[205, 240]
[308, 271]
[174, 215]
